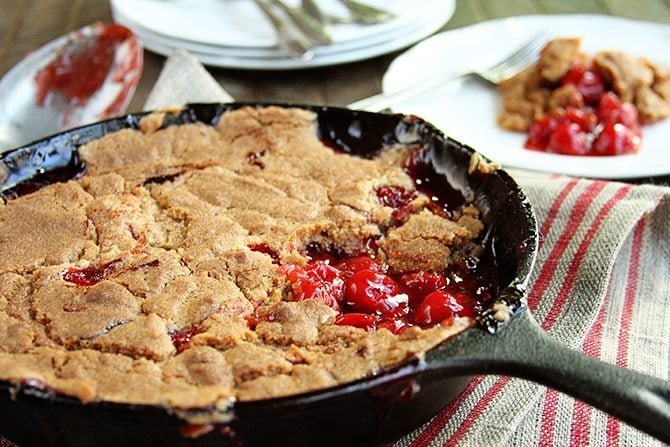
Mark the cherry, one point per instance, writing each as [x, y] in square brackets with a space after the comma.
[419, 284]
[181, 339]
[568, 139]
[585, 118]
[588, 82]
[349, 266]
[318, 280]
[395, 325]
[374, 293]
[443, 304]
[616, 139]
[602, 125]
[612, 110]
[539, 133]
[359, 320]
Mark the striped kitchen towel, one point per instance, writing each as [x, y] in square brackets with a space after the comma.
[601, 285]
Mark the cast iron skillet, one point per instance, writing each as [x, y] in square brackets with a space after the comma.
[371, 411]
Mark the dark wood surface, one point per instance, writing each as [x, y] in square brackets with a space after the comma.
[28, 24]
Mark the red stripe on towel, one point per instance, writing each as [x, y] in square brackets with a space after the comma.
[550, 265]
[477, 411]
[549, 412]
[631, 292]
[576, 261]
[439, 421]
[613, 424]
[581, 413]
[556, 207]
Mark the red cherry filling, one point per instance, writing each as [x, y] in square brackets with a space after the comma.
[615, 139]
[78, 72]
[395, 325]
[349, 266]
[568, 139]
[89, 276]
[589, 83]
[265, 249]
[419, 284]
[442, 304]
[317, 280]
[374, 293]
[181, 339]
[397, 198]
[612, 110]
[539, 133]
[357, 319]
[586, 119]
[604, 125]
[369, 298]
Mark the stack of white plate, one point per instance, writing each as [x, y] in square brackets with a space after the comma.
[236, 34]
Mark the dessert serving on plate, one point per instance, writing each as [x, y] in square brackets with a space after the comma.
[195, 265]
[575, 104]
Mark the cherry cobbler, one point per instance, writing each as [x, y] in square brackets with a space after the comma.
[572, 103]
[194, 265]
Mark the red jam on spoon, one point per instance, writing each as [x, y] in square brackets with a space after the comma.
[93, 56]
[80, 69]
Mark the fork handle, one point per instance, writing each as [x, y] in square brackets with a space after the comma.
[384, 101]
[290, 39]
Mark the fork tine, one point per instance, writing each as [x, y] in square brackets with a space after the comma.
[516, 62]
[312, 28]
[527, 51]
[504, 69]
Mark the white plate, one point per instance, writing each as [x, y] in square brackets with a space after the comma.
[283, 63]
[466, 109]
[274, 52]
[240, 23]
[234, 57]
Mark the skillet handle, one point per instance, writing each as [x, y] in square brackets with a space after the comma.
[522, 349]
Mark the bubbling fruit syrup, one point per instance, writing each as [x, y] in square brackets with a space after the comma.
[368, 295]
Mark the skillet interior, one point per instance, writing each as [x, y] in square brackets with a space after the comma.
[373, 410]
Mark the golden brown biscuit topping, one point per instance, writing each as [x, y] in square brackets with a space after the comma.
[176, 272]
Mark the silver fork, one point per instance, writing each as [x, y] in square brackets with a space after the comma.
[504, 69]
[290, 39]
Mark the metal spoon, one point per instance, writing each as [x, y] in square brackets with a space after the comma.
[88, 75]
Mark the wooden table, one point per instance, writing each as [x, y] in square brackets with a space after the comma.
[27, 24]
